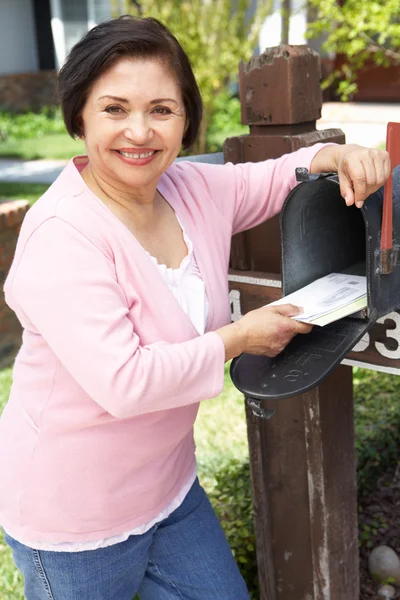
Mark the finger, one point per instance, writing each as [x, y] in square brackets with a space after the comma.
[380, 171]
[366, 184]
[303, 327]
[359, 179]
[288, 310]
[370, 170]
[387, 165]
[346, 189]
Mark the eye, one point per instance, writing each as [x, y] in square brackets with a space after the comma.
[162, 110]
[114, 110]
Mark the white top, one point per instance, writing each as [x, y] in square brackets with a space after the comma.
[188, 288]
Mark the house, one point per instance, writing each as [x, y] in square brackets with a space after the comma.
[35, 38]
[38, 34]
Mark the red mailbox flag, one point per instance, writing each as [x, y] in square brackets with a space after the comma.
[393, 147]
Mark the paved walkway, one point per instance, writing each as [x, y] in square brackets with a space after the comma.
[363, 123]
[31, 171]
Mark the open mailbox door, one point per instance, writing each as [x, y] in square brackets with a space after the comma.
[321, 235]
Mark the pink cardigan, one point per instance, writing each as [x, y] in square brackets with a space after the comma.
[97, 436]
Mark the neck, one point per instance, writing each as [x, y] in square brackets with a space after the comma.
[111, 192]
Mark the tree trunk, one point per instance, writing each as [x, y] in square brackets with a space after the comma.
[286, 10]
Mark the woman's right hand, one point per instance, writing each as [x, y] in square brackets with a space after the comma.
[265, 331]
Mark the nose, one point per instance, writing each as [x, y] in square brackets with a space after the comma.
[138, 129]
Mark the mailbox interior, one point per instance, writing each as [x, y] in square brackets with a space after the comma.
[321, 235]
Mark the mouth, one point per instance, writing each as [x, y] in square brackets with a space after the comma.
[136, 155]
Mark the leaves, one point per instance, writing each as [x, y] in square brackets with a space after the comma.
[31, 125]
[362, 31]
[377, 424]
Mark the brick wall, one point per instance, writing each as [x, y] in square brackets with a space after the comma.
[28, 91]
[11, 216]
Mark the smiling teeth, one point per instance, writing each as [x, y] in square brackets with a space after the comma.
[134, 155]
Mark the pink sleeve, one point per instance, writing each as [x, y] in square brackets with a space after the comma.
[250, 193]
[65, 288]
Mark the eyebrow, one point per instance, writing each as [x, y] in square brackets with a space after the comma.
[124, 100]
[117, 98]
[160, 100]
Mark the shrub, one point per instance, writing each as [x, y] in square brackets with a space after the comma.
[377, 425]
[31, 125]
[226, 121]
[230, 495]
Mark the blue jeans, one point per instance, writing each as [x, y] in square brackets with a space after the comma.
[184, 557]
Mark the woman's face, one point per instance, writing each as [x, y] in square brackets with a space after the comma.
[133, 123]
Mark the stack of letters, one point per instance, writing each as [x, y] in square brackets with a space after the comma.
[328, 299]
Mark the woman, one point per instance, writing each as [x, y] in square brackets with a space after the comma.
[120, 282]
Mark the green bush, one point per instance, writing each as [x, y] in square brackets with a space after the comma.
[231, 498]
[377, 425]
[30, 124]
[226, 122]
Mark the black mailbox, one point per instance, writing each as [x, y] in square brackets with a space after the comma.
[321, 235]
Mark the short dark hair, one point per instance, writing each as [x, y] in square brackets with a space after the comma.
[112, 40]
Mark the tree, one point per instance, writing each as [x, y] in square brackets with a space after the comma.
[365, 31]
[216, 35]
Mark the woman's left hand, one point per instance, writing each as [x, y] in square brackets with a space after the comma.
[361, 170]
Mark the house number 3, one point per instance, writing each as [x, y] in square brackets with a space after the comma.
[390, 333]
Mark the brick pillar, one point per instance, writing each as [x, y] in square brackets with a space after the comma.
[11, 217]
[302, 460]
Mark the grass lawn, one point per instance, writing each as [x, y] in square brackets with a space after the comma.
[54, 146]
[22, 191]
[11, 587]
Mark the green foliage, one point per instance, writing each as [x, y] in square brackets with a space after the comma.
[224, 471]
[362, 31]
[214, 35]
[31, 125]
[232, 501]
[377, 424]
[31, 136]
[5, 384]
[11, 584]
[11, 581]
[221, 433]
[51, 146]
[225, 122]
[21, 191]
[368, 531]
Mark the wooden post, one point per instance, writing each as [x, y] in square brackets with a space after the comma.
[302, 460]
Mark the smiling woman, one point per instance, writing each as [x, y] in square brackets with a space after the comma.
[104, 46]
[120, 283]
[133, 128]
